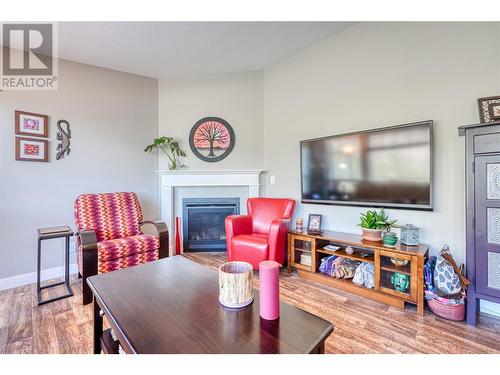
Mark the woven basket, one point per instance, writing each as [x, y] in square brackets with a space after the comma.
[450, 312]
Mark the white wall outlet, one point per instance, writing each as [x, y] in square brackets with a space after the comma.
[273, 179]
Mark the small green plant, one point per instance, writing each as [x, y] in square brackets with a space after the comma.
[171, 148]
[373, 219]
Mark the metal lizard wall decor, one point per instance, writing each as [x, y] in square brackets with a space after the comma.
[63, 136]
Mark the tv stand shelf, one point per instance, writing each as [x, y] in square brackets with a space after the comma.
[306, 250]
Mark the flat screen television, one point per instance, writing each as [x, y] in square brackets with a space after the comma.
[387, 167]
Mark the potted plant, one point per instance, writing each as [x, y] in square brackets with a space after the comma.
[374, 223]
[171, 148]
[389, 238]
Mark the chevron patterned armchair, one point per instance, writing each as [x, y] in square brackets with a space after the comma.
[110, 235]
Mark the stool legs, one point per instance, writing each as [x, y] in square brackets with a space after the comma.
[66, 263]
[39, 288]
[38, 270]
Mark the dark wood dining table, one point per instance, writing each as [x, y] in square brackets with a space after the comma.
[171, 306]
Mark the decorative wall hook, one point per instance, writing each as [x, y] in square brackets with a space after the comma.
[63, 136]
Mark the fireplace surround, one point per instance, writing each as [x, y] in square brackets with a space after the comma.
[171, 181]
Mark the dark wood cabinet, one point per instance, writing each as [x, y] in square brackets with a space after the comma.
[482, 147]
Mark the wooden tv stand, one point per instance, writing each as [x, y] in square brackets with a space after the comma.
[303, 247]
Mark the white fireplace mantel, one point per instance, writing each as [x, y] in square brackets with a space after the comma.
[169, 180]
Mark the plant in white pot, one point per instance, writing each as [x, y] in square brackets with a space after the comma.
[374, 223]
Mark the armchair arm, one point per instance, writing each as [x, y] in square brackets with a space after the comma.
[88, 242]
[277, 239]
[88, 239]
[162, 230]
[235, 225]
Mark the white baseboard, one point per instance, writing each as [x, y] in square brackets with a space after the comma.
[490, 308]
[30, 278]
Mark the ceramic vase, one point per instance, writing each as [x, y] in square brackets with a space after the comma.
[372, 234]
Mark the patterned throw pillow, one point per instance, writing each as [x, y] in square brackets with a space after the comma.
[446, 281]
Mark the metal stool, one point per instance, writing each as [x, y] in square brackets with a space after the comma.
[47, 234]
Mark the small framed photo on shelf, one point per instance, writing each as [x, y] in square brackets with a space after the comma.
[30, 149]
[314, 223]
[32, 124]
[494, 109]
[488, 107]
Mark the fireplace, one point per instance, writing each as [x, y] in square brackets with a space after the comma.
[203, 222]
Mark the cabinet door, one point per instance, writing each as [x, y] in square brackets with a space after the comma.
[487, 231]
[398, 275]
[302, 252]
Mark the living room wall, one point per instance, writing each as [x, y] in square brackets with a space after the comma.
[113, 116]
[235, 97]
[379, 74]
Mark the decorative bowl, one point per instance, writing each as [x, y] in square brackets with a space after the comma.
[399, 262]
[390, 240]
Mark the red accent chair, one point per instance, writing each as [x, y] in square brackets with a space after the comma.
[260, 235]
[110, 235]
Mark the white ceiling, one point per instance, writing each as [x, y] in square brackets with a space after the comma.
[180, 49]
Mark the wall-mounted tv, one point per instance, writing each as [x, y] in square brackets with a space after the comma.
[387, 167]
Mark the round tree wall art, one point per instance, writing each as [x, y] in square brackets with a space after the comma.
[211, 139]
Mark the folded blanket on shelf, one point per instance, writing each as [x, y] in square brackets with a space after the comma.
[335, 264]
[345, 268]
[365, 275]
[326, 265]
[339, 267]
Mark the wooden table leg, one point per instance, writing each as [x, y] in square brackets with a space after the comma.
[97, 328]
[321, 348]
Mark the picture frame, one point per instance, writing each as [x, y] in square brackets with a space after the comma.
[32, 124]
[32, 149]
[314, 223]
[494, 110]
[211, 139]
[484, 108]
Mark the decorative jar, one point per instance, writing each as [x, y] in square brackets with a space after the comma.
[299, 224]
[409, 235]
[236, 284]
[400, 282]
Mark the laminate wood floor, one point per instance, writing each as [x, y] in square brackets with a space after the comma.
[361, 325]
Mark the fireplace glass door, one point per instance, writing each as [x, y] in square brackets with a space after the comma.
[203, 222]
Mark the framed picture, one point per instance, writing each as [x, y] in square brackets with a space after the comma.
[314, 223]
[494, 109]
[211, 139]
[32, 124]
[484, 104]
[30, 149]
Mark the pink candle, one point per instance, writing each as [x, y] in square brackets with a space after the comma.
[269, 289]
